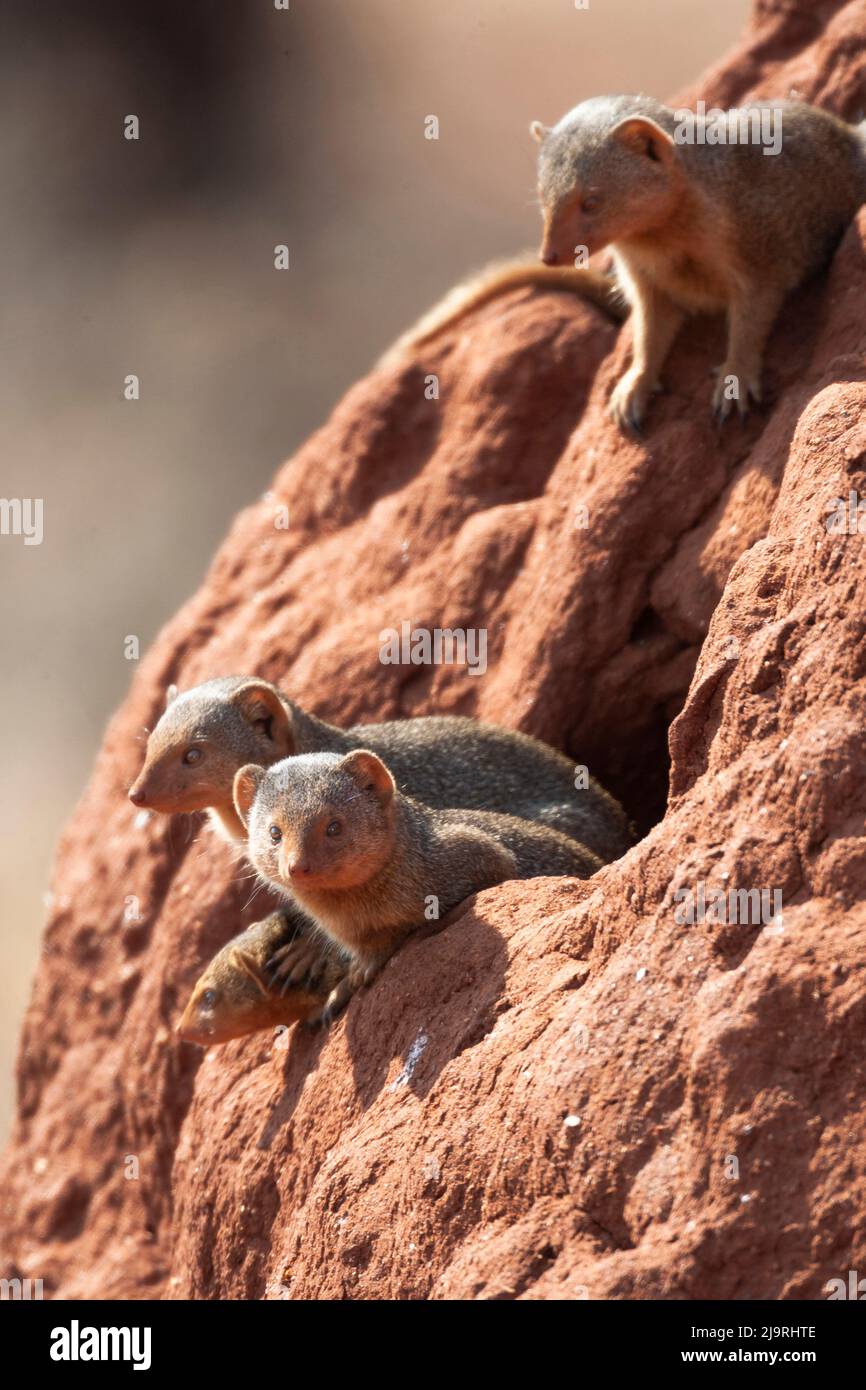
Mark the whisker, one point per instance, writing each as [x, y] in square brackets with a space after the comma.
[251, 899]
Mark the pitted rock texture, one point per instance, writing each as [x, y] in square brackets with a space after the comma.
[568, 1092]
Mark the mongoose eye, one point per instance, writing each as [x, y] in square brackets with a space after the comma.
[333, 828]
[192, 755]
[590, 202]
[275, 833]
[208, 999]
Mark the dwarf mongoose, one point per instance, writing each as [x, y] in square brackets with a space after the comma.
[234, 996]
[207, 733]
[369, 865]
[699, 219]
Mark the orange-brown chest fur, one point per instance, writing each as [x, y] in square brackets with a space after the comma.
[691, 259]
[360, 920]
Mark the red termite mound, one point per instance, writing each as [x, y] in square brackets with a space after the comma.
[569, 1092]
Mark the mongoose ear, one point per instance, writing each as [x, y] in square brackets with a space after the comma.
[247, 782]
[644, 137]
[262, 707]
[370, 772]
[170, 695]
[538, 131]
[251, 969]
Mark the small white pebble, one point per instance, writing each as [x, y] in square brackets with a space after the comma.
[641, 974]
[572, 1121]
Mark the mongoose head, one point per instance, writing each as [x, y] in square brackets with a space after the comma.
[204, 736]
[318, 822]
[608, 171]
[233, 997]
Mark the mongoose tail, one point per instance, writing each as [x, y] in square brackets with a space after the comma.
[234, 996]
[498, 279]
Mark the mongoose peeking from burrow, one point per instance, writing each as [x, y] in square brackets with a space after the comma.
[207, 733]
[699, 219]
[369, 865]
[234, 996]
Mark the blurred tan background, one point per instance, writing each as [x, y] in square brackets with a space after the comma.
[155, 257]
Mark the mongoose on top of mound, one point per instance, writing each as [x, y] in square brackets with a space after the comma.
[369, 865]
[235, 996]
[207, 733]
[699, 220]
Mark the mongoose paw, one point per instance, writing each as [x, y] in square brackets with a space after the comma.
[734, 388]
[324, 1020]
[299, 961]
[318, 1023]
[629, 400]
[339, 997]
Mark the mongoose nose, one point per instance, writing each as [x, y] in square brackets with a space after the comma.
[297, 868]
[137, 796]
[550, 258]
